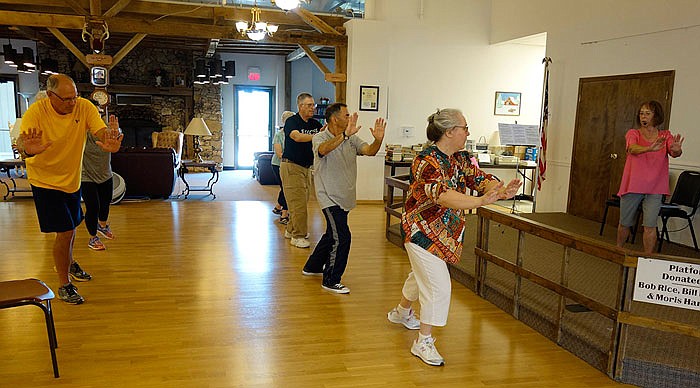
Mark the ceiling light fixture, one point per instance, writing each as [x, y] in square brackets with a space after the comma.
[286, 4]
[256, 30]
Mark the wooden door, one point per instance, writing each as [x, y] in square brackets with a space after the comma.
[606, 110]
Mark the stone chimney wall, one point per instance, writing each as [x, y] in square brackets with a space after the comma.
[142, 67]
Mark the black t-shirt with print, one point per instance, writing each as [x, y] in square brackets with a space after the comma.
[299, 153]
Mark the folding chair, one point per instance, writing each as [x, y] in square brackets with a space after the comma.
[14, 293]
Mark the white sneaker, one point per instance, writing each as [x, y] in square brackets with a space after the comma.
[426, 351]
[287, 234]
[301, 242]
[410, 322]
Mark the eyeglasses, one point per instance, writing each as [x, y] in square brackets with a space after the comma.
[310, 104]
[464, 127]
[68, 99]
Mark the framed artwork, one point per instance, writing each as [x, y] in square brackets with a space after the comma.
[179, 79]
[507, 104]
[369, 98]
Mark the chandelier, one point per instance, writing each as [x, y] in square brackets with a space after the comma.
[256, 30]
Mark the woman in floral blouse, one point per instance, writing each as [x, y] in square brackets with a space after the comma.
[433, 224]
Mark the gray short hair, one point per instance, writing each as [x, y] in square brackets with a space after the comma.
[303, 96]
[55, 80]
[442, 120]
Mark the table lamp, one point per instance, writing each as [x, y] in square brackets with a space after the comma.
[197, 127]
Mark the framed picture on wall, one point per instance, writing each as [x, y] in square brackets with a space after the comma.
[369, 98]
[507, 104]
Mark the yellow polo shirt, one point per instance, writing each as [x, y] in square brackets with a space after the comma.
[59, 166]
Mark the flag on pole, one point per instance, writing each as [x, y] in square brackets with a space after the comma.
[542, 159]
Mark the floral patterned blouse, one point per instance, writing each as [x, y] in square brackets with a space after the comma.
[435, 228]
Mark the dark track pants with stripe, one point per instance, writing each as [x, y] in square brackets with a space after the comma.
[331, 253]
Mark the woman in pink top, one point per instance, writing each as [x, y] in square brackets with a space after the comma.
[646, 172]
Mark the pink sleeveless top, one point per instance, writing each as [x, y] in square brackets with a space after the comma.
[646, 173]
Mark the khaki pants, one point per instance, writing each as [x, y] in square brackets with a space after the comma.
[295, 180]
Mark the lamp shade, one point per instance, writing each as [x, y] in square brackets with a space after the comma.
[230, 69]
[28, 57]
[197, 127]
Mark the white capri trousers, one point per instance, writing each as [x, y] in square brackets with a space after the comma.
[429, 283]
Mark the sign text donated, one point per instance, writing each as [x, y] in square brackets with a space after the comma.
[668, 283]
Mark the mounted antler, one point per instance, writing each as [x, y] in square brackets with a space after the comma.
[97, 32]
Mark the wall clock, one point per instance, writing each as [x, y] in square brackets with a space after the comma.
[100, 96]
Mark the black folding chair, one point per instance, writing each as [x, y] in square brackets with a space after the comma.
[686, 194]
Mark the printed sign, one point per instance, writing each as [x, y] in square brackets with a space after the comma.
[668, 283]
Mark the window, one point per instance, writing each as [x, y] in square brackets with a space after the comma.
[8, 113]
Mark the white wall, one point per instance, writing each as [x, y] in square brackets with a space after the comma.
[307, 78]
[435, 56]
[598, 38]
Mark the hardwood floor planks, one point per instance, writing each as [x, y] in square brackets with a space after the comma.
[210, 294]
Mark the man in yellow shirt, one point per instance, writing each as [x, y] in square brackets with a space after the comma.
[52, 140]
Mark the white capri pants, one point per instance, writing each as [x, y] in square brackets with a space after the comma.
[429, 283]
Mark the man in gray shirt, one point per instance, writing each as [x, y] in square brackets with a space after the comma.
[335, 175]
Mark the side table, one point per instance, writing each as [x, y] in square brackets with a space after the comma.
[6, 166]
[211, 166]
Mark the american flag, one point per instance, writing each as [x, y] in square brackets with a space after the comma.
[542, 164]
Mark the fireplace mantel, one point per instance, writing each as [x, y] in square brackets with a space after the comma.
[140, 89]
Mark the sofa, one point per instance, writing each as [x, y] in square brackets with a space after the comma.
[147, 172]
[262, 168]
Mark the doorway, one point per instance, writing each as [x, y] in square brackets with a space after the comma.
[606, 110]
[253, 123]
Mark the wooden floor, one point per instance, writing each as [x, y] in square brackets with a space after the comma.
[208, 294]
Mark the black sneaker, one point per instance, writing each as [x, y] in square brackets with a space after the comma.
[69, 294]
[305, 272]
[77, 273]
[337, 288]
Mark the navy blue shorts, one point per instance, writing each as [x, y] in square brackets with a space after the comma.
[57, 211]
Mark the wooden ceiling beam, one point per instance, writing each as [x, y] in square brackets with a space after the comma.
[31, 19]
[164, 28]
[69, 45]
[126, 49]
[300, 53]
[315, 22]
[75, 6]
[116, 8]
[96, 8]
[31, 34]
[312, 56]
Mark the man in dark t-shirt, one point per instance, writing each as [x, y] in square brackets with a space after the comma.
[294, 167]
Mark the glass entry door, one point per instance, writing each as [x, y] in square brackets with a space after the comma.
[254, 123]
[8, 115]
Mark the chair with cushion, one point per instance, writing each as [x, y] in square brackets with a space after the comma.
[686, 194]
[169, 139]
[615, 202]
[14, 293]
[262, 168]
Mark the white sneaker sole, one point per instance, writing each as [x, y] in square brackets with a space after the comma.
[104, 235]
[405, 324]
[333, 290]
[429, 362]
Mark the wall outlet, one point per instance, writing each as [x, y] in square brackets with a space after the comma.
[407, 131]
